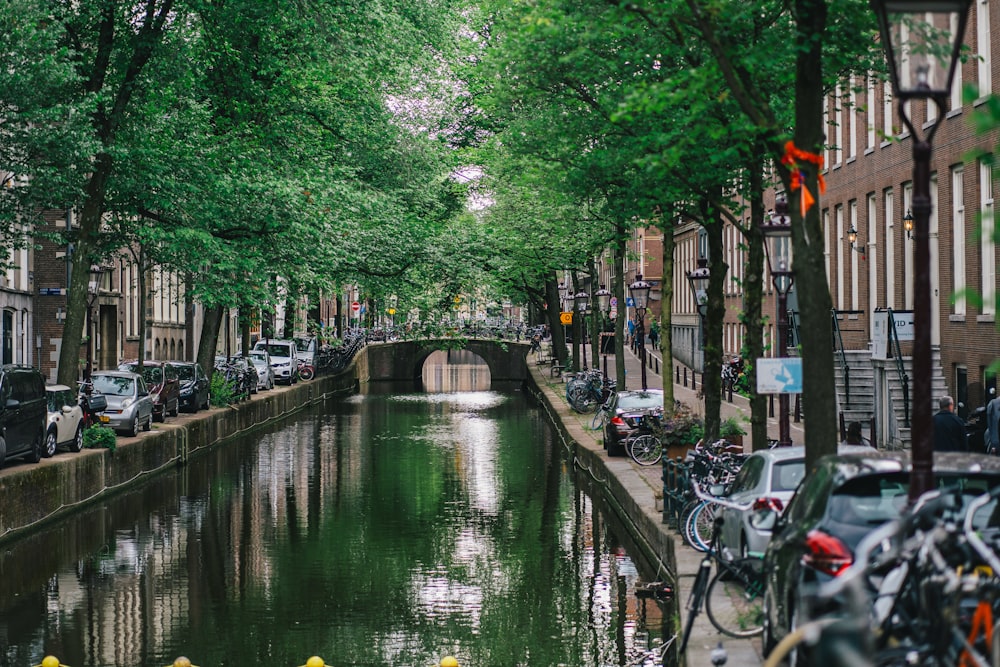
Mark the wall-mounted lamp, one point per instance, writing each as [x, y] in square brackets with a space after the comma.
[908, 223]
[852, 237]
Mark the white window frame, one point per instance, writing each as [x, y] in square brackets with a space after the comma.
[987, 247]
[984, 61]
[958, 237]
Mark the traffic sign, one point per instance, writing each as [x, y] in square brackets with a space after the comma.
[566, 318]
[355, 307]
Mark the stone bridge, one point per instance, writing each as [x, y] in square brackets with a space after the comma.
[403, 361]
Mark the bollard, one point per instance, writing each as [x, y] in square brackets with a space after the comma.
[678, 369]
[685, 376]
[657, 368]
[770, 406]
[798, 408]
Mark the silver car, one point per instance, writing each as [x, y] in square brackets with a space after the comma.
[129, 404]
[764, 485]
[265, 374]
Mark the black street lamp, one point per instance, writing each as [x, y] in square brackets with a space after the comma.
[603, 296]
[777, 231]
[922, 40]
[93, 291]
[581, 304]
[639, 290]
[698, 279]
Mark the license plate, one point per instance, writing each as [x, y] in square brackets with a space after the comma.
[105, 419]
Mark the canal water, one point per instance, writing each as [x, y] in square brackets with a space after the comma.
[386, 528]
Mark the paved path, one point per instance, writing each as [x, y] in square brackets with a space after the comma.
[704, 638]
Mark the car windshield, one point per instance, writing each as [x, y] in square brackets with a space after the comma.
[278, 350]
[114, 385]
[640, 401]
[151, 374]
[875, 499]
[185, 372]
[302, 344]
[258, 356]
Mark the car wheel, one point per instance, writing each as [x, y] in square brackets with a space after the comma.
[767, 640]
[177, 408]
[134, 428]
[77, 444]
[51, 442]
[162, 417]
[37, 447]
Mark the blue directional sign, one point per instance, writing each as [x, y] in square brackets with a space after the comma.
[51, 291]
[782, 375]
[630, 302]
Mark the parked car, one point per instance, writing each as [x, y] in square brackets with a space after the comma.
[305, 349]
[65, 423]
[284, 359]
[261, 361]
[837, 504]
[627, 410]
[23, 413]
[163, 384]
[130, 407]
[763, 486]
[195, 392]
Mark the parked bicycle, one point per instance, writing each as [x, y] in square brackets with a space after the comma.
[646, 446]
[306, 371]
[732, 598]
[587, 390]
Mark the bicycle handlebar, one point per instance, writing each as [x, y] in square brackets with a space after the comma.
[718, 499]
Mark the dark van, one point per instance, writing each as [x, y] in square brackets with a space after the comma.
[23, 413]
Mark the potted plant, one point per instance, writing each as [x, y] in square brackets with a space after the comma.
[730, 429]
[682, 432]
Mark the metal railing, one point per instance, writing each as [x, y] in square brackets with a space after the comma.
[897, 354]
[838, 349]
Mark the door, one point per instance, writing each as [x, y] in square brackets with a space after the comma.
[7, 338]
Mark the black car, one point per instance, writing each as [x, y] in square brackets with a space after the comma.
[839, 502]
[195, 390]
[24, 413]
[626, 410]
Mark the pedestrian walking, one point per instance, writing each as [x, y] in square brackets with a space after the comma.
[654, 334]
[949, 430]
[631, 331]
[993, 423]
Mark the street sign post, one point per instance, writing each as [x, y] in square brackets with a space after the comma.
[355, 309]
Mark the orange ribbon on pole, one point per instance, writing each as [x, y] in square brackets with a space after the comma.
[792, 157]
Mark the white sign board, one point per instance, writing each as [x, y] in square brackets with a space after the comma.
[881, 331]
[781, 375]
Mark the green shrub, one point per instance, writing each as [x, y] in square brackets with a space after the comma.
[97, 436]
[220, 390]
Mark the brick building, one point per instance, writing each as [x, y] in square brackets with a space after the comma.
[869, 252]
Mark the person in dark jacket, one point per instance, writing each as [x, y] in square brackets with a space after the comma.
[949, 430]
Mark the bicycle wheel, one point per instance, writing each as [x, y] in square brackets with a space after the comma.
[700, 524]
[734, 601]
[645, 450]
[698, 591]
[597, 422]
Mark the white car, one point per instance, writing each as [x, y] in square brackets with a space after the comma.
[284, 359]
[65, 426]
[261, 360]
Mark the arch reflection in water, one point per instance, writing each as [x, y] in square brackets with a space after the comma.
[455, 370]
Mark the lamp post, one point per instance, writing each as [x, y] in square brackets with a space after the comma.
[603, 296]
[698, 279]
[777, 231]
[922, 40]
[639, 290]
[93, 291]
[581, 304]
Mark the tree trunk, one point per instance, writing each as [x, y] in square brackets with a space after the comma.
[555, 326]
[753, 272]
[819, 394]
[665, 342]
[618, 290]
[711, 381]
[209, 339]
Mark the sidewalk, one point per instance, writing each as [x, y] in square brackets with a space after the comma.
[647, 493]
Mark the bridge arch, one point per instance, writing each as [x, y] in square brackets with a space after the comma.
[403, 361]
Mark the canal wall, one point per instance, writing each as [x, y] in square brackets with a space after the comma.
[34, 494]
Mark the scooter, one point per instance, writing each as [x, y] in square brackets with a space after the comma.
[93, 404]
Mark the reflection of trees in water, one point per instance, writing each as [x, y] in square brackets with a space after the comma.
[455, 370]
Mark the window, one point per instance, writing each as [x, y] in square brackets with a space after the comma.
[870, 114]
[838, 122]
[907, 251]
[890, 251]
[983, 47]
[852, 123]
[958, 237]
[855, 256]
[986, 243]
[887, 110]
[838, 214]
[956, 82]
